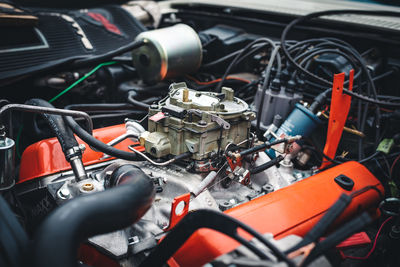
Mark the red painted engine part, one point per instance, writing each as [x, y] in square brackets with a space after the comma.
[292, 210]
[46, 157]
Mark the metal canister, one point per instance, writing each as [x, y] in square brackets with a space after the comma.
[7, 156]
[167, 52]
[300, 122]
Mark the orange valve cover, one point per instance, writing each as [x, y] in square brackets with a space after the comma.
[46, 157]
[292, 210]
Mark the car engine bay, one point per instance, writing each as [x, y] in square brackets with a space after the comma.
[195, 133]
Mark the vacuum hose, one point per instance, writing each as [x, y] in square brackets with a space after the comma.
[59, 236]
[65, 136]
[63, 133]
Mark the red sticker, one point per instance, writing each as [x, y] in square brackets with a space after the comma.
[105, 22]
[157, 117]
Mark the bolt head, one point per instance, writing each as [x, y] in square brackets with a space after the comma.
[82, 147]
[64, 193]
[88, 187]
[298, 175]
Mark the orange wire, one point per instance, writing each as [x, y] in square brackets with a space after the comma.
[217, 80]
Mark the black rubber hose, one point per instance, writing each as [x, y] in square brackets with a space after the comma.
[131, 99]
[267, 165]
[58, 238]
[263, 146]
[57, 125]
[97, 144]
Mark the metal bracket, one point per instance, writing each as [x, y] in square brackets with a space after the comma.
[340, 106]
[179, 209]
[215, 118]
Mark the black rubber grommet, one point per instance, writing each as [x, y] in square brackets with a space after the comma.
[344, 182]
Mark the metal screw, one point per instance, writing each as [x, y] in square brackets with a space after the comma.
[298, 175]
[268, 188]
[133, 240]
[64, 193]
[208, 201]
[82, 147]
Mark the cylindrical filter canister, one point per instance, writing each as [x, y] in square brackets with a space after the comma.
[7, 153]
[167, 52]
[300, 122]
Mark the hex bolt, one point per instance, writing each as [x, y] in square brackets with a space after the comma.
[298, 175]
[88, 187]
[64, 193]
[268, 188]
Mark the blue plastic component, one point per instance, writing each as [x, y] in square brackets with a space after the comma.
[300, 122]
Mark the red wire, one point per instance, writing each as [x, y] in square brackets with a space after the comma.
[392, 168]
[373, 246]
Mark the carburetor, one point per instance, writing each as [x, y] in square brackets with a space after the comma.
[202, 123]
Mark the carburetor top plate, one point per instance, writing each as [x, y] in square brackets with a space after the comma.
[223, 103]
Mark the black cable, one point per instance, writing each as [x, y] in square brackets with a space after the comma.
[370, 86]
[376, 78]
[205, 218]
[319, 14]
[231, 55]
[246, 48]
[131, 99]
[221, 60]
[369, 157]
[89, 139]
[319, 100]
[261, 46]
[306, 56]
[322, 154]
[75, 61]
[348, 229]
[107, 56]
[321, 80]
[371, 100]
[246, 87]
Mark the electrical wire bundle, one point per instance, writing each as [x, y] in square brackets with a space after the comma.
[294, 61]
[301, 54]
